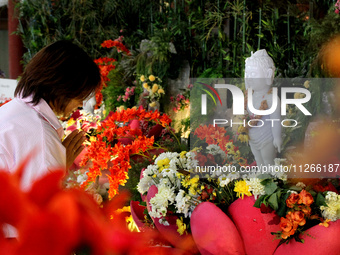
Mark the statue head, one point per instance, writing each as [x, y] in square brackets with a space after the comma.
[259, 70]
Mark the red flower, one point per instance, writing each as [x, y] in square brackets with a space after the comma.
[201, 159]
[329, 187]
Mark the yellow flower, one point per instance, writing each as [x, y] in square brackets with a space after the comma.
[243, 138]
[121, 108]
[243, 134]
[298, 95]
[142, 78]
[124, 209]
[153, 104]
[181, 226]
[152, 78]
[93, 139]
[229, 146]
[70, 122]
[154, 88]
[191, 183]
[131, 224]
[242, 161]
[163, 163]
[161, 91]
[241, 188]
[306, 84]
[182, 154]
[145, 85]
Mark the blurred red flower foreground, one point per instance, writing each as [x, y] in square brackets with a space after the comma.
[52, 220]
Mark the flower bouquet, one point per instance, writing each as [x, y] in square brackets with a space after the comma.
[110, 151]
[107, 64]
[269, 211]
[182, 100]
[153, 91]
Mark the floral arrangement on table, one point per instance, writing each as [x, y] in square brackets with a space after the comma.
[106, 64]
[115, 143]
[299, 206]
[153, 90]
[182, 100]
[181, 185]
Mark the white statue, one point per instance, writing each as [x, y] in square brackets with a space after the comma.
[89, 104]
[266, 140]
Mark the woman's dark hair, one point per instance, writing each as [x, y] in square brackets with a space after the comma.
[58, 73]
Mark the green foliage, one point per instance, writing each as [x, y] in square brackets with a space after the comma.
[88, 23]
[210, 34]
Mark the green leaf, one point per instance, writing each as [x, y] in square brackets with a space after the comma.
[259, 201]
[270, 188]
[273, 202]
[320, 200]
[265, 176]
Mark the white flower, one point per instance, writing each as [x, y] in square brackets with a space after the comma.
[224, 180]
[165, 155]
[144, 184]
[279, 161]
[81, 178]
[182, 204]
[332, 210]
[163, 222]
[301, 185]
[160, 201]
[191, 161]
[255, 187]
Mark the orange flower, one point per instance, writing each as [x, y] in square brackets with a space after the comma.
[292, 200]
[305, 198]
[116, 43]
[306, 210]
[287, 228]
[106, 152]
[325, 223]
[297, 217]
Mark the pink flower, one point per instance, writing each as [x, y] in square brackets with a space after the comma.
[127, 94]
[337, 11]
[190, 86]
[87, 126]
[128, 89]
